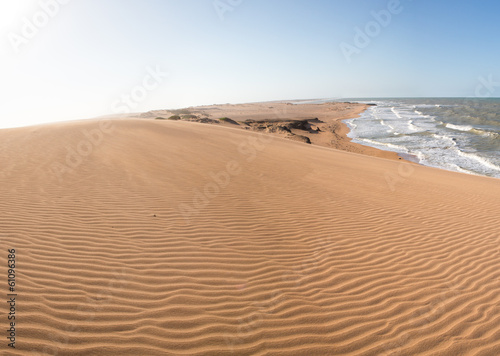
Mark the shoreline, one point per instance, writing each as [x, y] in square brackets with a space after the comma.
[318, 124]
[442, 133]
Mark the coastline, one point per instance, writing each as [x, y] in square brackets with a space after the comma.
[319, 124]
[442, 133]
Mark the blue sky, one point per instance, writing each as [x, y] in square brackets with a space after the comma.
[92, 57]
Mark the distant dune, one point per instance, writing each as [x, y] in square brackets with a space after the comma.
[167, 237]
[319, 124]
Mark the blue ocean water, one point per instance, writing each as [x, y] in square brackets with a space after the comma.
[457, 134]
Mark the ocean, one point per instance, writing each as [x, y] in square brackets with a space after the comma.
[456, 134]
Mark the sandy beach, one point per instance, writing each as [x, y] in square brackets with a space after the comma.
[322, 124]
[145, 236]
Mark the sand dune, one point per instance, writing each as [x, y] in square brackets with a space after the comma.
[150, 237]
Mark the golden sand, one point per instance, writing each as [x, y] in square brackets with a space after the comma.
[158, 237]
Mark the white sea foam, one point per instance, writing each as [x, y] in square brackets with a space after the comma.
[448, 139]
[390, 127]
[457, 168]
[396, 113]
[459, 127]
[423, 130]
[420, 155]
[411, 126]
[396, 148]
[485, 162]
[472, 129]
[485, 133]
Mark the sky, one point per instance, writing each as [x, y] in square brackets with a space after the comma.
[74, 59]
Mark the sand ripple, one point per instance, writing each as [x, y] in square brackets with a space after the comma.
[305, 251]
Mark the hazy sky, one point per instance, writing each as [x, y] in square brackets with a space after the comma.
[70, 59]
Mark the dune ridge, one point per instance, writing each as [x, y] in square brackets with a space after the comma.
[180, 238]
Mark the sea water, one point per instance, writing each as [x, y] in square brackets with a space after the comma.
[461, 135]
